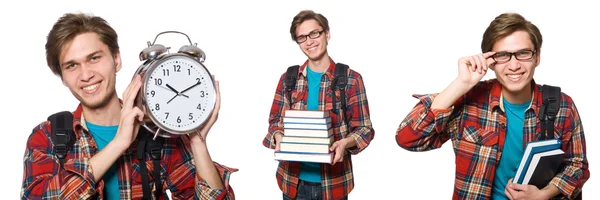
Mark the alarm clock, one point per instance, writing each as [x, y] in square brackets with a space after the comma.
[178, 92]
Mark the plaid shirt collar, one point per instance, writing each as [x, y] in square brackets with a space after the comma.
[329, 72]
[496, 97]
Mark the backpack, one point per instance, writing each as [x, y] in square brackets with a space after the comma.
[548, 113]
[63, 137]
[339, 83]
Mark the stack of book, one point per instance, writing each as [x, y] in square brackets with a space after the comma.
[307, 137]
[541, 161]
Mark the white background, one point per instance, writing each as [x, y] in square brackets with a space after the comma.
[399, 49]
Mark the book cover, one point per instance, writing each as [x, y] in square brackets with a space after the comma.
[304, 120]
[307, 140]
[304, 148]
[531, 149]
[304, 157]
[543, 167]
[308, 133]
[306, 113]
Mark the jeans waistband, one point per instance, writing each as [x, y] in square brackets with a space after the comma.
[309, 183]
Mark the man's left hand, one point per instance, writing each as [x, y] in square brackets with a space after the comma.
[521, 192]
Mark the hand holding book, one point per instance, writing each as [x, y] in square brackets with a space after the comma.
[520, 191]
[339, 148]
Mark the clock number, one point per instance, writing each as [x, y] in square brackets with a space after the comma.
[201, 93]
[199, 107]
[166, 72]
[189, 72]
[198, 80]
[167, 113]
[152, 93]
[176, 68]
[157, 107]
[158, 81]
[179, 119]
[191, 117]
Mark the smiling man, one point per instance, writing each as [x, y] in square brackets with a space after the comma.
[351, 124]
[83, 51]
[491, 121]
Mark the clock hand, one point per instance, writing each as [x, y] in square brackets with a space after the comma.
[174, 90]
[198, 83]
[172, 98]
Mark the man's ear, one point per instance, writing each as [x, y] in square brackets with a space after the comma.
[538, 58]
[117, 60]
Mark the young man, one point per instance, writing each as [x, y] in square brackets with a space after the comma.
[299, 180]
[490, 122]
[83, 51]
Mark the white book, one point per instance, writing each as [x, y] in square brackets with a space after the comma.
[308, 133]
[304, 120]
[307, 140]
[304, 157]
[304, 148]
[306, 126]
[306, 113]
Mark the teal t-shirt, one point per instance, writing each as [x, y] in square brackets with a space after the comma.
[513, 147]
[311, 172]
[103, 135]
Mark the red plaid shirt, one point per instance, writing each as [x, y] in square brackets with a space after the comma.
[476, 124]
[337, 179]
[43, 179]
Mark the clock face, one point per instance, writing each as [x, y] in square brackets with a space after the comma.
[179, 94]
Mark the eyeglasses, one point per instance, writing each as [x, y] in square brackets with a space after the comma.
[521, 55]
[312, 35]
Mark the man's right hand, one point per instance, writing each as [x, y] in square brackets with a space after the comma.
[131, 115]
[472, 69]
[278, 136]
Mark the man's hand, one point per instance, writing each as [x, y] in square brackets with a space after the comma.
[199, 137]
[471, 69]
[278, 137]
[131, 115]
[522, 192]
[339, 149]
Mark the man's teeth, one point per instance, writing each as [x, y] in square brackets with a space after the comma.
[514, 75]
[91, 87]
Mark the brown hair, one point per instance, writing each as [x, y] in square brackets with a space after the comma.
[506, 24]
[71, 25]
[307, 15]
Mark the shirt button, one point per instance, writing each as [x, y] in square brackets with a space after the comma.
[502, 126]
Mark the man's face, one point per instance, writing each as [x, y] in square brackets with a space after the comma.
[89, 70]
[316, 38]
[515, 72]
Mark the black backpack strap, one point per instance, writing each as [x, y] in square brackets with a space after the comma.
[549, 110]
[62, 134]
[141, 156]
[340, 81]
[290, 81]
[153, 147]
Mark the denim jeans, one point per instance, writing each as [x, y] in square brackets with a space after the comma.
[308, 191]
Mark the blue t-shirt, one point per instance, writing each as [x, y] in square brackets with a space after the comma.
[311, 172]
[513, 147]
[102, 136]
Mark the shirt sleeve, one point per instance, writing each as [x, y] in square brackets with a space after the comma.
[576, 172]
[275, 115]
[44, 179]
[361, 128]
[425, 128]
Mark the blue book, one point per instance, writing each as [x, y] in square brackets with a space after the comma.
[533, 148]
